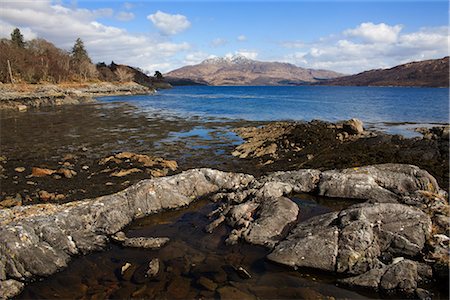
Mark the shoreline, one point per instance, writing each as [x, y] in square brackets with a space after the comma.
[76, 143]
[25, 96]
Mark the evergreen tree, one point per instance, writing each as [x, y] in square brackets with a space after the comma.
[79, 53]
[17, 38]
[158, 75]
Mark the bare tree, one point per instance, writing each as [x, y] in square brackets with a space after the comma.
[123, 74]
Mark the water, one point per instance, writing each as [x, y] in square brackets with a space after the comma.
[384, 108]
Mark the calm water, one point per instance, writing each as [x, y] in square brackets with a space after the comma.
[378, 107]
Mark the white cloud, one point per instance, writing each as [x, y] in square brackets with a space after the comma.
[169, 24]
[250, 54]
[125, 16]
[196, 57]
[218, 42]
[363, 48]
[375, 33]
[241, 38]
[62, 25]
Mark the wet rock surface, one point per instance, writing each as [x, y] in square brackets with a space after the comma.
[22, 98]
[395, 221]
[322, 145]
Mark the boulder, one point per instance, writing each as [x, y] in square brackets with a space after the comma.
[353, 240]
[353, 126]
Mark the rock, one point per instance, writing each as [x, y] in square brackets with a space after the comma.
[127, 271]
[10, 288]
[19, 169]
[41, 172]
[385, 182]
[85, 167]
[401, 277]
[45, 196]
[119, 236]
[353, 126]
[243, 273]
[207, 283]
[123, 173]
[171, 164]
[22, 108]
[146, 243]
[352, 240]
[153, 268]
[158, 172]
[274, 214]
[68, 173]
[69, 156]
[11, 202]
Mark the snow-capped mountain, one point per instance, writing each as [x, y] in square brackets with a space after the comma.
[239, 70]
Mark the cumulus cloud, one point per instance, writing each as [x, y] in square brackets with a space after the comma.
[375, 33]
[196, 57]
[169, 24]
[62, 25]
[125, 16]
[218, 42]
[250, 54]
[241, 38]
[370, 46]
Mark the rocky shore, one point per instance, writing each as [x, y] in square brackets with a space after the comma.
[323, 145]
[23, 97]
[395, 240]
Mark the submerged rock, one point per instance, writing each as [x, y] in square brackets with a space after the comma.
[146, 243]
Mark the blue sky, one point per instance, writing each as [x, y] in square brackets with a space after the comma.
[349, 36]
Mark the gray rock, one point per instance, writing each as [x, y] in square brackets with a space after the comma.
[274, 214]
[9, 288]
[402, 276]
[352, 240]
[380, 183]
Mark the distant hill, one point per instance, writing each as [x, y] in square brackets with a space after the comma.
[238, 70]
[115, 72]
[427, 73]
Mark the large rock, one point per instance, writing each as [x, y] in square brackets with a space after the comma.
[353, 126]
[382, 183]
[52, 233]
[403, 275]
[354, 240]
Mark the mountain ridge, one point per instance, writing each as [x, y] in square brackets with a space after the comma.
[239, 70]
[425, 73]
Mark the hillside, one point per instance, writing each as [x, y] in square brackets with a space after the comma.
[238, 70]
[40, 62]
[427, 73]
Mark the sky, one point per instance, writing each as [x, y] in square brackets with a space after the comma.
[343, 36]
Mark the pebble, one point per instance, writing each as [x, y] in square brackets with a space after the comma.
[85, 167]
[207, 283]
[19, 169]
[153, 268]
[31, 183]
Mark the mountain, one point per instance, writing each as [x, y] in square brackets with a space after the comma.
[427, 73]
[238, 70]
